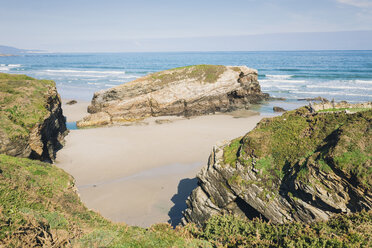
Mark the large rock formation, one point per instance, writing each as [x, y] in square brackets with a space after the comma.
[305, 165]
[31, 121]
[185, 91]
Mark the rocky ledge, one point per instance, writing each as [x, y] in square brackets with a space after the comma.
[186, 91]
[31, 122]
[305, 165]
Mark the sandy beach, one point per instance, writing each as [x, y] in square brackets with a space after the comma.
[142, 174]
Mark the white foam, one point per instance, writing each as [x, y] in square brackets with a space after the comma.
[279, 76]
[14, 65]
[320, 93]
[337, 87]
[282, 81]
[87, 72]
[110, 85]
[363, 81]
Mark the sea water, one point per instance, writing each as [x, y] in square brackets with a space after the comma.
[293, 75]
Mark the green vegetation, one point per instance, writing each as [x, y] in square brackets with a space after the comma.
[230, 152]
[340, 231]
[22, 104]
[343, 109]
[293, 143]
[38, 206]
[202, 73]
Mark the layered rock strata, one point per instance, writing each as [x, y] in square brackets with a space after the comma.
[32, 124]
[185, 91]
[301, 166]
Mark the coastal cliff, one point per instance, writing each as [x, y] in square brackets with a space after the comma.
[306, 165]
[31, 122]
[185, 91]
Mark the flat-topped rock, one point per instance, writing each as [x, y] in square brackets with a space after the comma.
[185, 91]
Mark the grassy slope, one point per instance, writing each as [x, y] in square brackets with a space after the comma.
[22, 101]
[294, 140]
[38, 205]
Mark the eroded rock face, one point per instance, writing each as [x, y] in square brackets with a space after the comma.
[301, 166]
[185, 91]
[32, 122]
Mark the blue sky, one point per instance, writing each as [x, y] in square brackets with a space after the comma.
[115, 26]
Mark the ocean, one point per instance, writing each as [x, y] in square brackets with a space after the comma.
[293, 75]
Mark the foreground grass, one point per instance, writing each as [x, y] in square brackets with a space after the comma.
[39, 207]
[341, 231]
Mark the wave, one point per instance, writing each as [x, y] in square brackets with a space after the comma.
[111, 85]
[8, 67]
[363, 81]
[320, 93]
[282, 81]
[86, 72]
[337, 87]
[14, 65]
[278, 76]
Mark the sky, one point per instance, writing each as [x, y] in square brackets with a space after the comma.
[171, 25]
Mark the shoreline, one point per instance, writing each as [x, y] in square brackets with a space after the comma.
[142, 174]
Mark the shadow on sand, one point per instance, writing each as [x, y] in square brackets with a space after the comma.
[185, 187]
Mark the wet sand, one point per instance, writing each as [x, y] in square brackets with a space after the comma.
[142, 174]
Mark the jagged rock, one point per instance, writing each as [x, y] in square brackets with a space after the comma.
[278, 109]
[301, 166]
[185, 91]
[31, 123]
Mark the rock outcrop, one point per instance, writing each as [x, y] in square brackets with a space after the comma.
[301, 166]
[185, 91]
[31, 123]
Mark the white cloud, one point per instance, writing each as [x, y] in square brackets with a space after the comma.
[357, 3]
